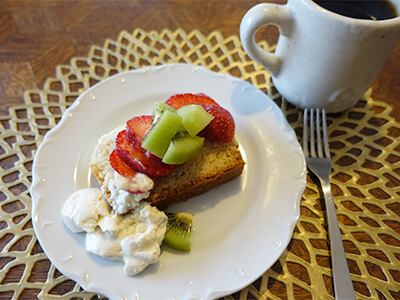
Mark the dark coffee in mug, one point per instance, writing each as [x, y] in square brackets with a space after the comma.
[361, 9]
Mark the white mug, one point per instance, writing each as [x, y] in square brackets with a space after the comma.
[322, 59]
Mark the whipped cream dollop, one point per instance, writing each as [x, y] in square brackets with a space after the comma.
[118, 224]
[126, 193]
[122, 193]
[83, 210]
[134, 238]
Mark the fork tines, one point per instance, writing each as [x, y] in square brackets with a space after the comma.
[315, 130]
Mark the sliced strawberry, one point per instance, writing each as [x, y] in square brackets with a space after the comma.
[179, 100]
[136, 128]
[120, 166]
[222, 127]
[123, 169]
[141, 162]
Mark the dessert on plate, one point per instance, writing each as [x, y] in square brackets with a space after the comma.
[185, 148]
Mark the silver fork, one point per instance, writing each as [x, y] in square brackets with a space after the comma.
[319, 162]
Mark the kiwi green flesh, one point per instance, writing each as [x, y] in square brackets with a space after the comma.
[159, 136]
[182, 148]
[179, 231]
[159, 108]
[194, 118]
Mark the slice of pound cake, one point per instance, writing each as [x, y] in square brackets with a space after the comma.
[216, 164]
[194, 151]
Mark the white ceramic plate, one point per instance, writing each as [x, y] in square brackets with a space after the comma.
[241, 228]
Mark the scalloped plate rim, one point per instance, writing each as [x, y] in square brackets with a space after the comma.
[243, 113]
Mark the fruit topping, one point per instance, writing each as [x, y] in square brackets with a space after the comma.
[194, 118]
[179, 100]
[136, 129]
[175, 133]
[120, 166]
[139, 161]
[182, 148]
[179, 231]
[159, 136]
[159, 109]
[222, 127]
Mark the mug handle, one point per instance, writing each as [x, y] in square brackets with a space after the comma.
[257, 17]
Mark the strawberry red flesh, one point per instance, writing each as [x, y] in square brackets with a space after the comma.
[136, 129]
[179, 100]
[222, 127]
[120, 166]
[123, 169]
[141, 162]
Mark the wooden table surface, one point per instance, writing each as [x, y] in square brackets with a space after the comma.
[36, 36]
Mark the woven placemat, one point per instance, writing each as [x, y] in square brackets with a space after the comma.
[365, 178]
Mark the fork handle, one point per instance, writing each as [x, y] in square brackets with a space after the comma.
[341, 276]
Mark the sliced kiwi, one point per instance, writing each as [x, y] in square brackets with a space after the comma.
[194, 118]
[160, 108]
[182, 148]
[159, 136]
[179, 231]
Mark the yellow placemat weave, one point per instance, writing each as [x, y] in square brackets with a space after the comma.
[365, 148]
